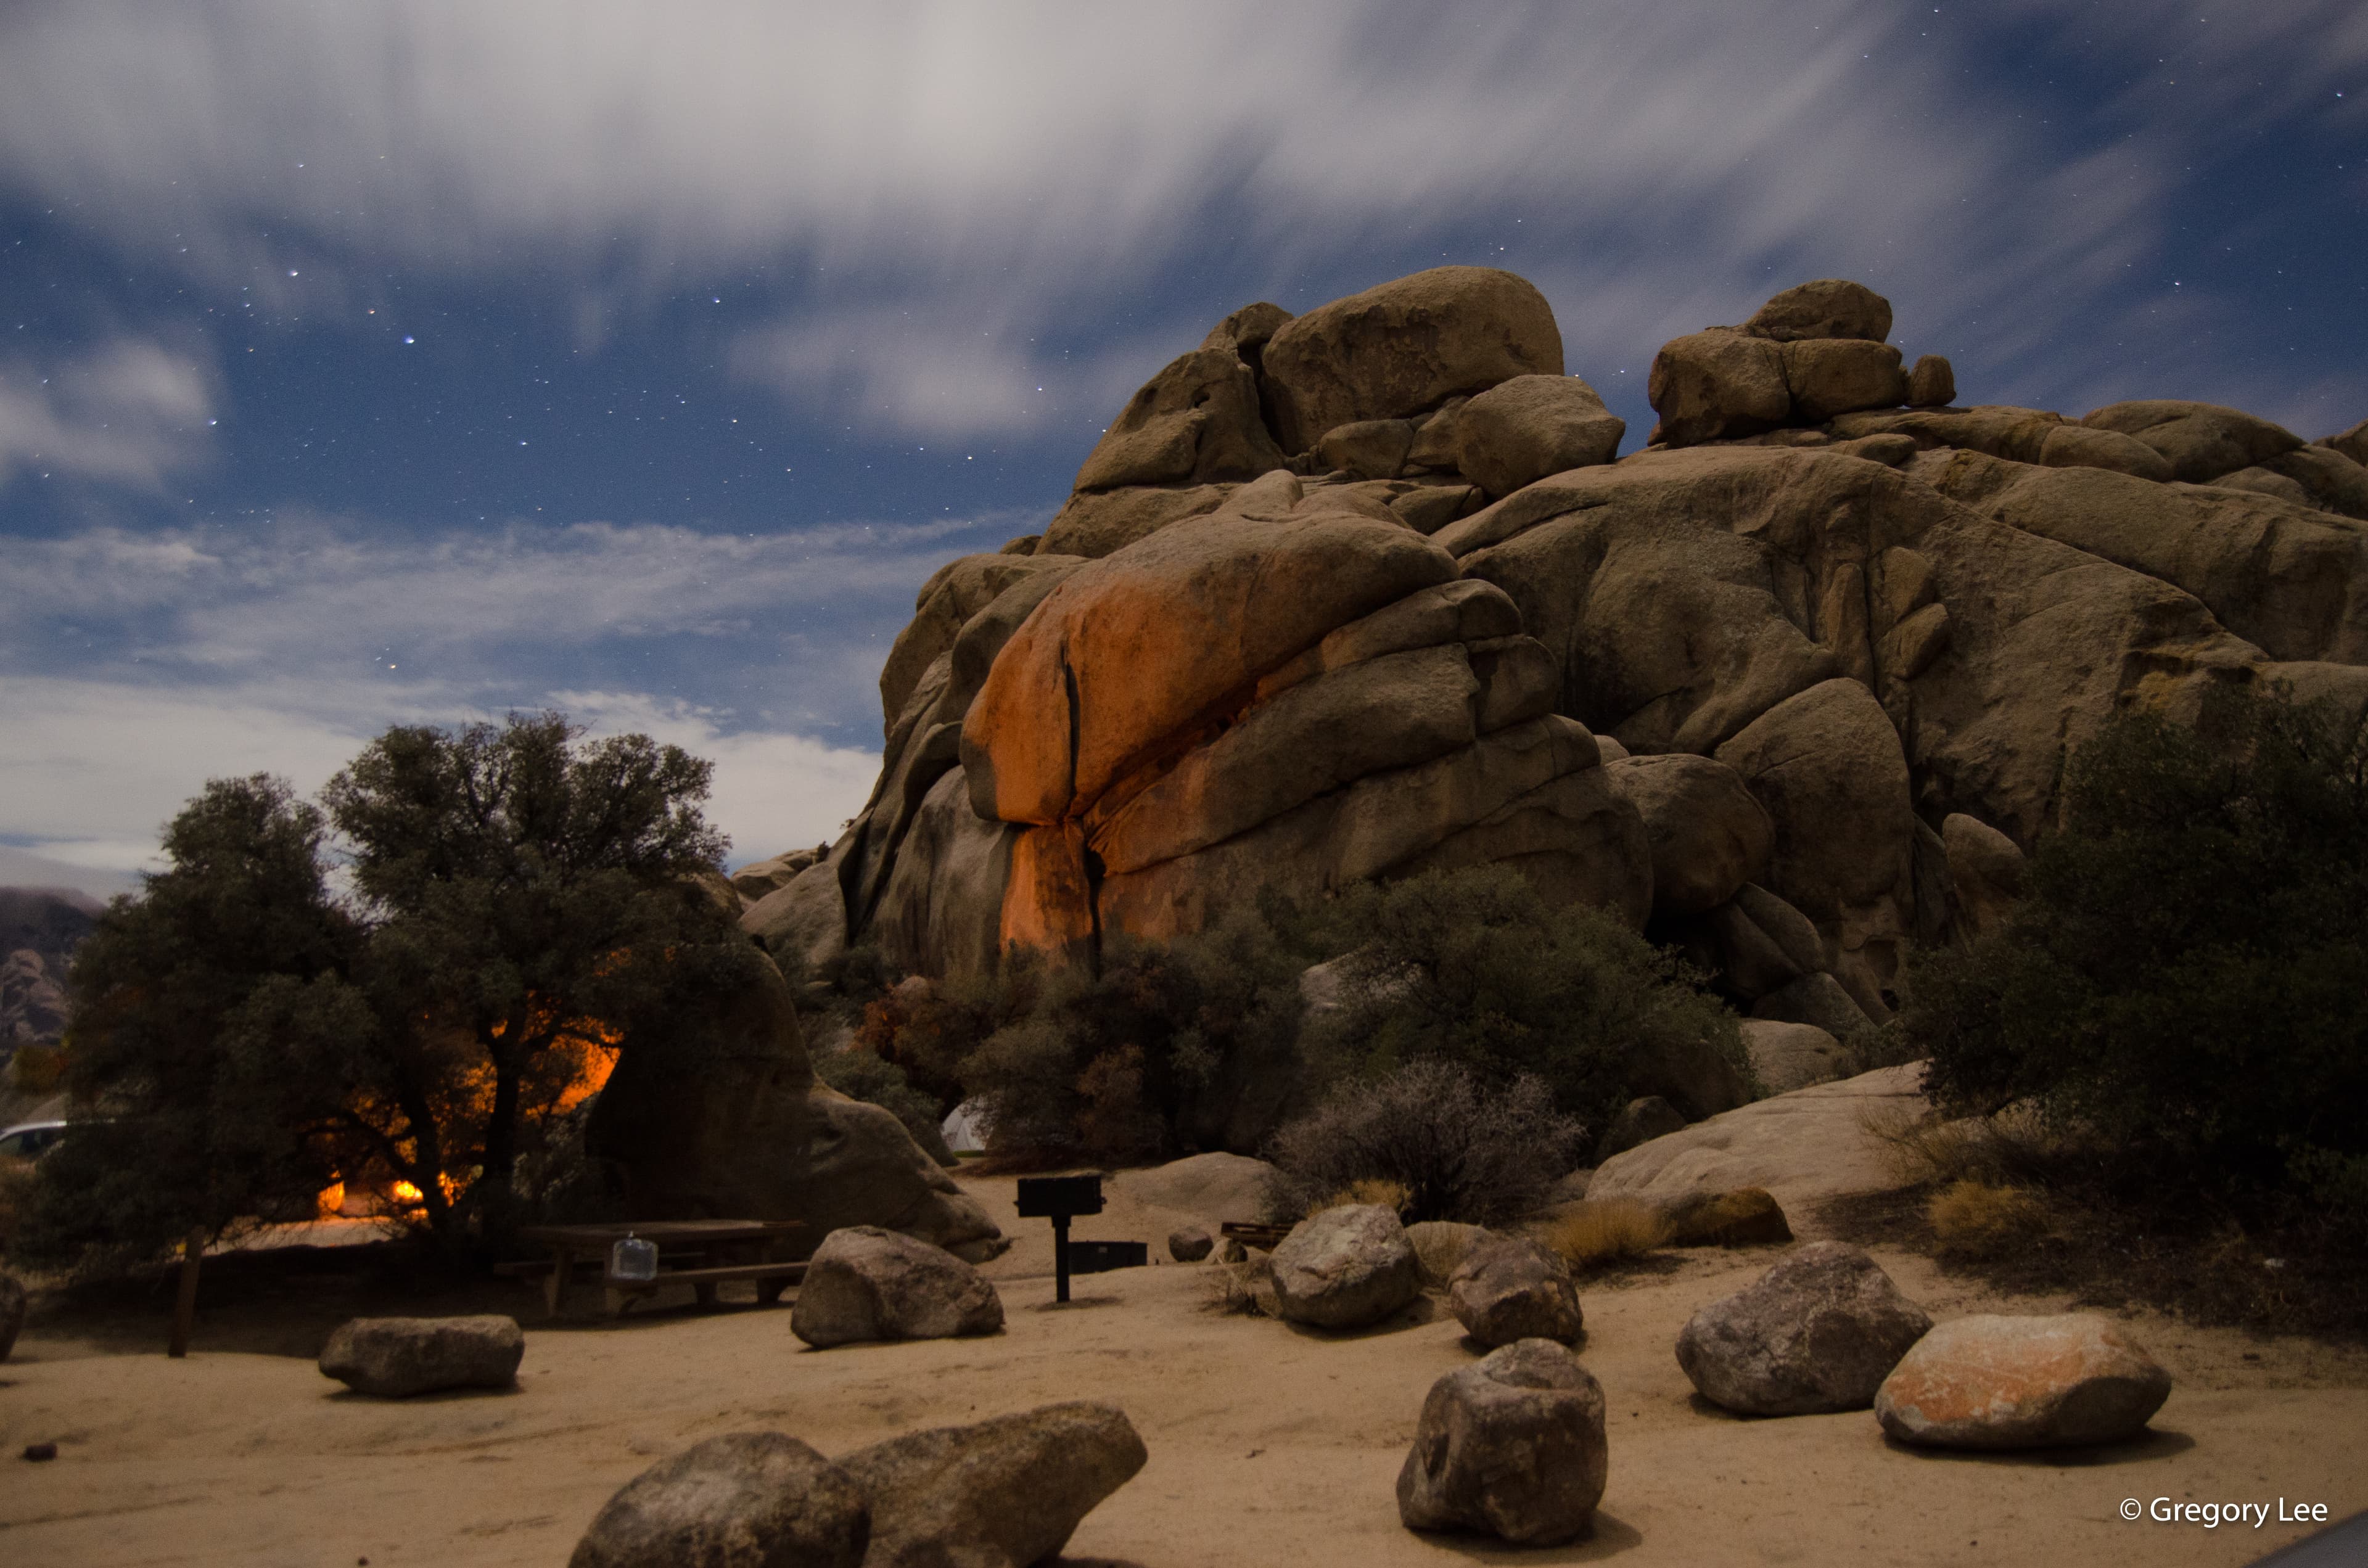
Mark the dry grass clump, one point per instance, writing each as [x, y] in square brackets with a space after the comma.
[2012, 1149]
[1975, 1219]
[1379, 1191]
[1601, 1232]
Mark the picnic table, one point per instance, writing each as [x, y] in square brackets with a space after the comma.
[700, 1253]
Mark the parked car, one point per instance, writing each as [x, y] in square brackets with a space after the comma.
[30, 1139]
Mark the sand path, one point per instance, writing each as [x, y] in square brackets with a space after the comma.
[1266, 1443]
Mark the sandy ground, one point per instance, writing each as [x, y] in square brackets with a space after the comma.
[1267, 1442]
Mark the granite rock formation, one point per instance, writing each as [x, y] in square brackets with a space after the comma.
[1368, 591]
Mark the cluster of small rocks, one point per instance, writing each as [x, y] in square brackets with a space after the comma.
[1513, 1445]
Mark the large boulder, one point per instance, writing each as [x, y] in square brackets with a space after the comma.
[1830, 376]
[864, 1283]
[2277, 575]
[1811, 1145]
[2201, 441]
[1709, 835]
[1519, 431]
[1346, 1267]
[1823, 308]
[1004, 1493]
[1717, 384]
[750, 1133]
[1817, 1333]
[1196, 422]
[1217, 1187]
[1509, 1287]
[2352, 443]
[1827, 766]
[2022, 1383]
[1785, 1057]
[397, 1357]
[1512, 1446]
[743, 1500]
[1406, 347]
[1986, 868]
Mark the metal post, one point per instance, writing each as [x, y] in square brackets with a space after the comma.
[1061, 1257]
[185, 1310]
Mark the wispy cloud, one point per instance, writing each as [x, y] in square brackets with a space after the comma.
[961, 188]
[128, 412]
[149, 664]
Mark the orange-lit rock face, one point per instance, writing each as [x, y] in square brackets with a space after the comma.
[2011, 1382]
[1141, 646]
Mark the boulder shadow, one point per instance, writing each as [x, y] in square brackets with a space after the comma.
[1577, 1347]
[342, 1395]
[1420, 1311]
[2148, 1446]
[1608, 1537]
[1076, 1303]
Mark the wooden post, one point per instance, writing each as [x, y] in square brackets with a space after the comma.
[185, 1310]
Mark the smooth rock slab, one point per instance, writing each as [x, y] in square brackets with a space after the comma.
[396, 1357]
[744, 1500]
[1344, 1267]
[1817, 1333]
[2022, 1383]
[866, 1283]
[1509, 1289]
[1002, 1493]
[1512, 1445]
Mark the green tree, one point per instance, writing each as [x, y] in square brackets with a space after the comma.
[521, 904]
[2187, 980]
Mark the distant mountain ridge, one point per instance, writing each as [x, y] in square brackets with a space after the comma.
[39, 929]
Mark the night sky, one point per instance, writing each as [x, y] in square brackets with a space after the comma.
[421, 362]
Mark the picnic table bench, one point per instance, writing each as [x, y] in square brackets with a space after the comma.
[1265, 1238]
[700, 1253]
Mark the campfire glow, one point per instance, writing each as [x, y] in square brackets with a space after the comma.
[586, 1054]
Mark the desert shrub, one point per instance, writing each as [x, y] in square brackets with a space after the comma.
[1142, 1059]
[1975, 1219]
[1463, 1147]
[2182, 985]
[1605, 1231]
[859, 1073]
[1471, 967]
[926, 1028]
